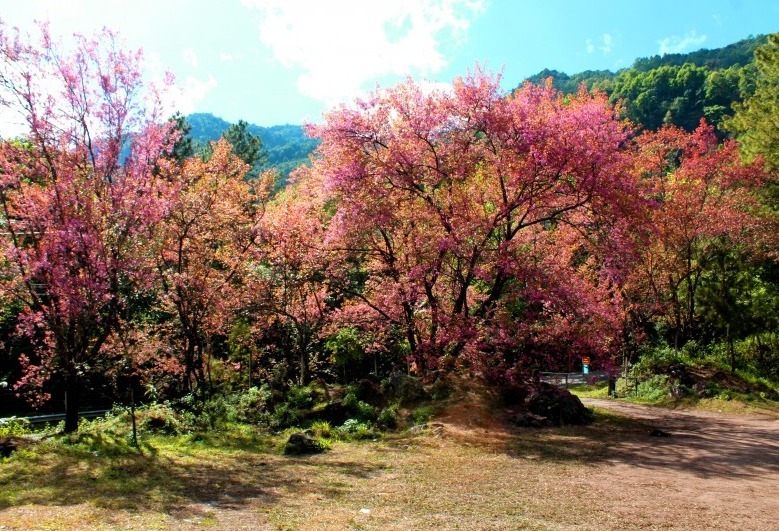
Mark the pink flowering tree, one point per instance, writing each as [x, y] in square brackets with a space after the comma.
[79, 196]
[476, 218]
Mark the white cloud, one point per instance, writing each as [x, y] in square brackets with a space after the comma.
[226, 57]
[604, 45]
[185, 97]
[190, 56]
[340, 47]
[676, 44]
[606, 42]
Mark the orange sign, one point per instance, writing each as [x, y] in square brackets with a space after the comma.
[585, 361]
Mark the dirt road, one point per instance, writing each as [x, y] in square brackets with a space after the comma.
[715, 471]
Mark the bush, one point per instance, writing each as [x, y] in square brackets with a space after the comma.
[354, 429]
[655, 360]
[422, 414]
[322, 429]
[251, 405]
[360, 410]
[654, 388]
[388, 418]
[441, 389]
[13, 426]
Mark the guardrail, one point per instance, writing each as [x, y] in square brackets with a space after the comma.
[573, 378]
[58, 417]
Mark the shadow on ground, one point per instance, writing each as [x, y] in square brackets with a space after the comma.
[109, 473]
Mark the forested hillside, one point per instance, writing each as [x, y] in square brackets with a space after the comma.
[673, 89]
[286, 146]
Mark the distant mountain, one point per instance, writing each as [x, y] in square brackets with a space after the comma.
[287, 145]
[673, 89]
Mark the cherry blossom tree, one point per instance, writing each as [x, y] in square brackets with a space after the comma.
[703, 197]
[455, 204]
[206, 244]
[292, 285]
[79, 198]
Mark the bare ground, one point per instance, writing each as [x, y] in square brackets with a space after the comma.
[466, 471]
[715, 471]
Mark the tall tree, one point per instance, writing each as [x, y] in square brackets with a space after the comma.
[448, 199]
[184, 146]
[247, 147]
[291, 289]
[754, 121]
[75, 210]
[703, 198]
[206, 242]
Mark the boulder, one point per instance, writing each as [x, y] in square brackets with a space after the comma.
[407, 389]
[529, 420]
[9, 445]
[557, 405]
[302, 444]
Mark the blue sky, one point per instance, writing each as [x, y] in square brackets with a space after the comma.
[286, 61]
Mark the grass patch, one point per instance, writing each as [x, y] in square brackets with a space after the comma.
[97, 479]
[594, 390]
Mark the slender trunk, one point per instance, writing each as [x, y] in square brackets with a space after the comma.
[303, 360]
[250, 368]
[132, 415]
[732, 350]
[72, 398]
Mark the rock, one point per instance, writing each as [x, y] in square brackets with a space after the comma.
[407, 389]
[370, 392]
[9, 445]
[557, 405]
[302, 444]
[529, 420]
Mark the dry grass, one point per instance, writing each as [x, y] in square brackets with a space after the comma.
[467, 471]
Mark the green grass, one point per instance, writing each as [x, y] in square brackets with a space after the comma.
[656, 392]
[97, 479]
[596, 390]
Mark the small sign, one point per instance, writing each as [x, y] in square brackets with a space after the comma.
[586, 361]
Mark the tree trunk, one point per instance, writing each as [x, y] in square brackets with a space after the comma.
[132, 415]
[303, 360]
[732, 350]
[72, 399]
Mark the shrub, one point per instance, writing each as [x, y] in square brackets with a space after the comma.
[354, 429]
[360, 410]
[14, 426]
[322, 429]
[388, 418]
[654, 388]
[422, 414]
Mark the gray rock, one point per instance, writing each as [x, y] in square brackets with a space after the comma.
[302, 444]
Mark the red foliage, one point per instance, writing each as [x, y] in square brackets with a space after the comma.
[75, 213]
[469, 211]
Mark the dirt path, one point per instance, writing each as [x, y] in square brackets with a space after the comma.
[715, 471]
